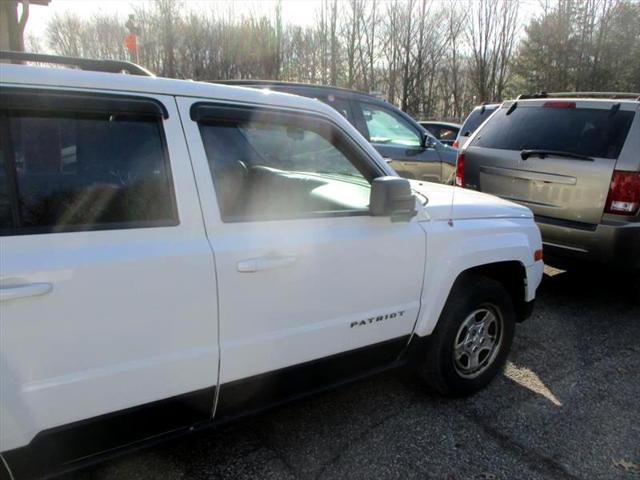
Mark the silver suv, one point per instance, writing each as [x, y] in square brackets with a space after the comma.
[574, 159]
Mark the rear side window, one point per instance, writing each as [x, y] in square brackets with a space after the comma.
[83, 171]
[474, 120]
[583, 131]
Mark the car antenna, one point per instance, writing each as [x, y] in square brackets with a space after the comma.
[453, 197]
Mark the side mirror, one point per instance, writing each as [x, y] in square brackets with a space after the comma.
[392, 197]
[428, 141]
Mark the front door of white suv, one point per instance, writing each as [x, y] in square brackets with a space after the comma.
[107, 283]
[304, 272]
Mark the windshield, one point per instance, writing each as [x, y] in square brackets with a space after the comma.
[580, 131]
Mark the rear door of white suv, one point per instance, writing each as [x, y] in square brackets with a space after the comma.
[107, 286]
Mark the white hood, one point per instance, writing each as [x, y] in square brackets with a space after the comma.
[467, 204]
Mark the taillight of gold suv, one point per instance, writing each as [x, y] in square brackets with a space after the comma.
[624, 193]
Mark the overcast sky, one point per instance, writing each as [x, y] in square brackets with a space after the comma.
[300, 12]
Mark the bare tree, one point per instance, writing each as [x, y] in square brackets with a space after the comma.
[456, 24]
[433, 59]
[492, 38]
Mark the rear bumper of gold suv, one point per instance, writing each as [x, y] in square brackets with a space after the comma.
[612, 242]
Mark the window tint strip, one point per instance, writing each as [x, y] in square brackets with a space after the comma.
[10, 168]
[56, 101]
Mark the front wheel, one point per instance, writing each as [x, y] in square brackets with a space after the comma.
[472, 339]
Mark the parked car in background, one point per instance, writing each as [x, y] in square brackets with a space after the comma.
[572, 159]
[446, 132]
[473, 121]
[410, 149]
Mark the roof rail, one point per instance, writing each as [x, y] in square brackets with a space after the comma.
[612, 95]
[111, 66]
[280, 83]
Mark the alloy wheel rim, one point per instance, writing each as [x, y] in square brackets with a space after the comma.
[478, 341]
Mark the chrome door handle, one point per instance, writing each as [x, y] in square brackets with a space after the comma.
[265, 263]
[22, 291]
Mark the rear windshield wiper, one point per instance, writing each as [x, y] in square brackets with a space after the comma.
[524, 154]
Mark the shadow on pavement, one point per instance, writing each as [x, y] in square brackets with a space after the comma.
[592, 286]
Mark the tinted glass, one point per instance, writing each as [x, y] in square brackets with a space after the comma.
[386, 127]
[583, 131]
[435, 129]
[5, 199]
[264, 171]
[78, 172]
[342, 106]
[475, 119]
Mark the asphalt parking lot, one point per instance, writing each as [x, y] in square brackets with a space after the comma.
[567, 407]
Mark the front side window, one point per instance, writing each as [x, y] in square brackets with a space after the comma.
[385, 127]
[266, 169]
[84, 171]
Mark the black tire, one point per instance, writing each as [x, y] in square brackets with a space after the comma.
[470, 293]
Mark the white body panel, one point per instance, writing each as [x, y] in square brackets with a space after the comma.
[446, 202]
[470, 243]
[467, 229]
[132, 316]
[342, 270]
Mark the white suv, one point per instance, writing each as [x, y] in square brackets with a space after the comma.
[175, 254]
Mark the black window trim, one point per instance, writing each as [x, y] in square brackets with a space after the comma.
[347, 101]
[30, 101]
[10, 168]
[203, 112]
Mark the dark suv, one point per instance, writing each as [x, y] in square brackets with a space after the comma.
[411, 150]
[473, 121]
[572, 159]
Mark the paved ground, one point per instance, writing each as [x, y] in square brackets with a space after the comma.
[567, 407]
